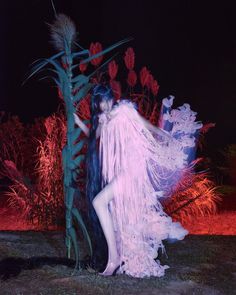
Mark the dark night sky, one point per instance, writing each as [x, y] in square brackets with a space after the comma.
[189, 46]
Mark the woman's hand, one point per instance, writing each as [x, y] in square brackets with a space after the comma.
[81, 124]
[77, 119]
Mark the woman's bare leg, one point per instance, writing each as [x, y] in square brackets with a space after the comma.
[100, 204]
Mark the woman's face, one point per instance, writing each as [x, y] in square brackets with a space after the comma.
[106, 105]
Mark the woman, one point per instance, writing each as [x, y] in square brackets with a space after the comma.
[136, 170]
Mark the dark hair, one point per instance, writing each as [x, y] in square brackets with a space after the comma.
[101, 92]
[93, 184]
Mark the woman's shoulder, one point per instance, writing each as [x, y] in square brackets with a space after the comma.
[120, 108]
[125, 102]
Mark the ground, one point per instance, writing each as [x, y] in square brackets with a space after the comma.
[35, 263]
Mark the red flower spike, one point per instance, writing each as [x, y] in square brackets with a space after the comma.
[154, 115]
[150, 81]
[155, 87]
[140, 107]
[132, 78]
[112, 69]
[116, 89]
[94, 49]
[129, 58]
[59, 93]
[64, 65]
[206, 127]
[83, 107]
[144, 76]
[83, 67]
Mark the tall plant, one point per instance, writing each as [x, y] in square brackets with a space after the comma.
[72, 86]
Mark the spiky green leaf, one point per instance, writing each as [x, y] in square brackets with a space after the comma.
[80, 80]
[41, 63]
[72, 234]
[76, 162]
[80, 222]
[69, 200]
[77, 147]
[80, 53]
[75, 133]
[82, 92]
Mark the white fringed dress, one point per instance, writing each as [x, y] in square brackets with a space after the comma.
[145, 168]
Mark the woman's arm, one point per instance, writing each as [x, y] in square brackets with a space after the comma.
[155, 129]
[98, 131]
[81, 124]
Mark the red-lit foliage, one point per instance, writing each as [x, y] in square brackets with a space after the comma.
[129, 58]
[154, 87]
[59, 93]
[132, 78]
[83, 109]
[35, 175]
[196, 195]
[112, 69]
[14, 143]
[83, 67]
[205, 128]
[94, 49]
[116, 89]
[22, 194]
[48, 169]
[144, 76]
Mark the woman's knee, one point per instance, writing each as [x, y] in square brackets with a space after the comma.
[104, 197]
[96, 201]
